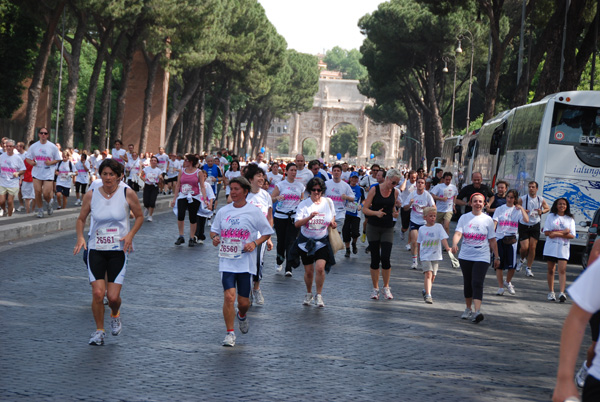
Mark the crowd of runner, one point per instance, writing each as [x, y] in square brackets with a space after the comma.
[314, 208]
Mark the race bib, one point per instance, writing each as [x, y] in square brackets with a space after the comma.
[352, 207]
[317, 222]
[107, 239]
[186, 189]
[230, 248]
[63, 176]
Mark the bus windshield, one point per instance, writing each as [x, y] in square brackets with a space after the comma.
[575, 125]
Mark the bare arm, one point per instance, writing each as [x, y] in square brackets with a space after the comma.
[80, 224]
[136, 209]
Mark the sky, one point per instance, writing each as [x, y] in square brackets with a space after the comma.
[315, 26]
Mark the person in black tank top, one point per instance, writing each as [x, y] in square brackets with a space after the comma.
[381, 209]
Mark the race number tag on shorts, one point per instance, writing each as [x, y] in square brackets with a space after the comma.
[108, 239]
[352, 207]
[230, 248]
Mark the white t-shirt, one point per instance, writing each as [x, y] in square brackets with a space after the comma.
[558, 247]
[334, 192]
[430, 241]
[584, 292]
[98, 183]
[316, 228]
[273, 180]
[531, 204]
[263, 166]
[63, 171]
[230, 174]
[83, 175]
[346, 176]
[134, 166]
[8, 166]
[292, 195]
[442, 190]
[409, 189]
[508, 220]
[304, 175]
[152, 175]
[162, 161]
[41, 153]
[420, 201]
[172, 168]
[210, 195]
[118, 155]
[237, 227]
[476, 232]
[262, 200]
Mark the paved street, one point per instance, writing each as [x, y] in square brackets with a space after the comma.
[353, 349]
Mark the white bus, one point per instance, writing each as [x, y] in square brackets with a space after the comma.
[555, 142]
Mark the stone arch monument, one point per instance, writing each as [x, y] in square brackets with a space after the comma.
[336, 102]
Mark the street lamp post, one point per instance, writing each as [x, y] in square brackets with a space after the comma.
[459, 50]
[453, 92]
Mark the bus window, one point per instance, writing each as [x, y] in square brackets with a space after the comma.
[575, 125]
[525, 129]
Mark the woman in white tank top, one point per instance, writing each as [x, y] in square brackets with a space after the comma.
[110, 240]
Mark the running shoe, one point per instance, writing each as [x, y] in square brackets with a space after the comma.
[149, 219]
[258, 297]
[375, 294]
[368, 249]
[244, 324]
[562, 297]
[199, 241]
[466, 314]
[288, 273]
[59, 207]
[105, 300]
[50, 209]
[477, 317]
[522, 262]
[423, 292]
[509, 286]
[229, 340]
[115, 325]
[581, 375]
[145, 212]
[40, 214]
[20, 209]
[500, 292]
[191, 243]
[529, 272]
[363, 238]
[180, 240]
[308, 299]
[354, 248]
[387, 293]
[551, 296]
[428, 299]
[407, 247]
[97, 338]
[414, 265]
[279, 268]
[77, 203]
[402, 236]
[319, 301]
[347, 255]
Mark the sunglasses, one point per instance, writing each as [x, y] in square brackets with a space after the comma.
[43, 132]
[316, 190]
[395, 183]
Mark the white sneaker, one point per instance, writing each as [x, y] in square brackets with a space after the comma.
[229, 339]
[581, 375]
[149, 219]
[308, 299]
[258, 297]
[551, 296]
[319, 301]
[414, 264]
[288, 273]
[244, 324]
[115, 325]
[529, 272]
[279, 268]
[97, 338]
[40, 214]
[562, 297]
[522, 262]
[466, 314]
[387, 293]
[407, 247]
[509, 286]
[50, 209]
[145, 212]
[375, 294]
[20, 209]
[402, 236]
[500, 292]
[77, 203]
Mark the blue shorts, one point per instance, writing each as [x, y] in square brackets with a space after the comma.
[414, 226]
[241, 281]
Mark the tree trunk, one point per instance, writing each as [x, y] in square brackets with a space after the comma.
[72, 86]
[226, 116]
[152, 63]
[217, 100]
[436, 132]
[179, 105]
[577, 54]
[105, 102]
[127, 63]
[37, 80]
[201, 119]
[93, 89]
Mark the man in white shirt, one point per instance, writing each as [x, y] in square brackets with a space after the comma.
[444, 194]
[12, 168]
[345, 172]
[367, 181]
[304, 174]
[529, 232]
[44, 156]
[339, 192]
[260, 162]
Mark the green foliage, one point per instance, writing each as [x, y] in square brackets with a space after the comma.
[346, 61]
[283, 148]
[378, 149]
[584, 83]
[344, 141]
[18, 39]
[309, 148]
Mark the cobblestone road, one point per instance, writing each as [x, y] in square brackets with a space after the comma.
[355, 349]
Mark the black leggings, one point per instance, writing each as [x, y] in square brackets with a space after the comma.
[183, 205]
[473, 278]
[591, 390]
[286, 236]
[380, 244]
[150, 194]
[200, 228]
